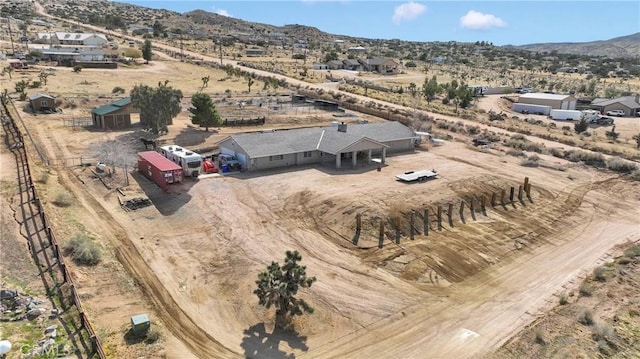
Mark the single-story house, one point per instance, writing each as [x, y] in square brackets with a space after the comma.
[351, 64]
[335, 65]
[71, 54]
[629, 104]
[113, 116]
[328, 145]
[255, 52]
[320, 67]
[357, 50]
[78, 38]
[556, 101]
[380, 65]
[41, 102]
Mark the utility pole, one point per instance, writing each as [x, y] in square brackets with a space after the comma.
[220, 52]
[13, 50]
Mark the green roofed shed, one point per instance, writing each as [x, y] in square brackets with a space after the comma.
[113, 116]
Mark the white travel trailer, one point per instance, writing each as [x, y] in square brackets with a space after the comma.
[190, 161]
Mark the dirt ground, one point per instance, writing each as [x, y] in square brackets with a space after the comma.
[459, 292]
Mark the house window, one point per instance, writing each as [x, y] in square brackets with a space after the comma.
[307, 154]
[276, 158]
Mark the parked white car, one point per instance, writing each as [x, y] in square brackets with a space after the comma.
[615, 113]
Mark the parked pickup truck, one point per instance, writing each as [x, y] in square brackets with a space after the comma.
[615, 113]
[411, 176]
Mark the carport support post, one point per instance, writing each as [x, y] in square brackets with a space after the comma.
[450, 214]
[426, 222]
[411, 231]
[439, 217]
[381, 234]
[511, 193]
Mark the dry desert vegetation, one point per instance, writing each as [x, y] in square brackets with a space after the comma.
[550, 275]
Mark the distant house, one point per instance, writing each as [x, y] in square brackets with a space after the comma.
[320, 66]
[325, 145]
[352, 65]
[255, 52]
[113, 116]
[77, 38]
[70, 55]
[42, 102]
[380, 65]
[629, 104]
[335, 65]
[555, 101]
[357, 50]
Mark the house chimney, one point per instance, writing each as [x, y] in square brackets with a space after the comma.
[342, 127]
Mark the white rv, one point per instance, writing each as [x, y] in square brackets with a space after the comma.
[190, 161]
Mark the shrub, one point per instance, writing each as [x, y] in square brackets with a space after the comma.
[564, 300]
[602, 331]
[77, 68]
[152, 337]
[531, 161]
[539, 336]
[63, 199]
[117, 89]
[515, 153]
[585, 290]
[589, 158]
[83, 250]
[619, 165]
[585, 317]
[556, 152]
[599, 274]
[632, 252]
[44, 178]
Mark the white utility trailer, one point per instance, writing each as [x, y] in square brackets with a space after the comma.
[411, 176]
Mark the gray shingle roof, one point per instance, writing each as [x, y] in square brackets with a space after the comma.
[39, 95]
[628, 101]
[325, 139]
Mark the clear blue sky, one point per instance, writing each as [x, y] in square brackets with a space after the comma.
[512, 22]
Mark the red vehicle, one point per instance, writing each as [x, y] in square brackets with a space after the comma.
[209, 166]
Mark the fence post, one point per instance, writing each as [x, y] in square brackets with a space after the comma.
[450, 214]
[511, 192]
[398, 230]
[528, 190]
[483, 203]
[493, 199]
[502, 194]
[425, 223]
[439, 217]
[411, 231]
[462, 210]
[358, 222]
[520, 193]
[381, 234]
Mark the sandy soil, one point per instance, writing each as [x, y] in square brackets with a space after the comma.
[459, 292]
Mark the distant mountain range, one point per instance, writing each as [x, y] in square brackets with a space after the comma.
[624, 46]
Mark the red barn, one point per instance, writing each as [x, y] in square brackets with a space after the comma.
[159, 169]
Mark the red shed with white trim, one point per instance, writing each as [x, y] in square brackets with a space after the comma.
[159, 169]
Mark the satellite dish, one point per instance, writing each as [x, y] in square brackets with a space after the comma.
[5, 347]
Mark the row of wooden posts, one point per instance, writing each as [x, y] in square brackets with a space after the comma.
[523, 189]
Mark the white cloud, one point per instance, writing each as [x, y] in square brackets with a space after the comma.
[407, 11]
[475, 20]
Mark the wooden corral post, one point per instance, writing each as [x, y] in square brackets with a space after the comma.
[398, 230]
[493, 199]
[520, 193]
[439, 217]
[528, 191]
[381, 234]
[461, 209]
[483, 203]
[411, 231]
[425, 223]
[358, 222]
[502, 194]
[526, 182]
[511, 193]
[450, 214]
[471, 205]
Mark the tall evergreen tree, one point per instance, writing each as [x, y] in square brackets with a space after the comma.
[203, 112]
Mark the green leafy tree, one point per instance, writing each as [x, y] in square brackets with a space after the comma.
[147, 50]
[278, 286]
[203, 112]
[158, 106]
[430, 88]
[581, 126]
[330, 56]
[464, 95]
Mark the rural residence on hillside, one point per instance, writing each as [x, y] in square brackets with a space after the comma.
[629, 104]
[326, 145]
[555, 101]
[113, 116]
[41, 102]
[78, 38]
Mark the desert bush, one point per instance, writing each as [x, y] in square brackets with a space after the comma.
[35, 84]
[515, 153]
[564, 300]
[632, 252]
[539, 336]
[531, 161]
[63, 199]
[585, 290]
[589, 158]
[585, 317]
[152, 337]
[23, 96]
[44, 178]
[600, 274]
[566, 128]
[602, 331]
[83, 250]
[77, 68]
[556, 152]
[617, 164]
[117, 90]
